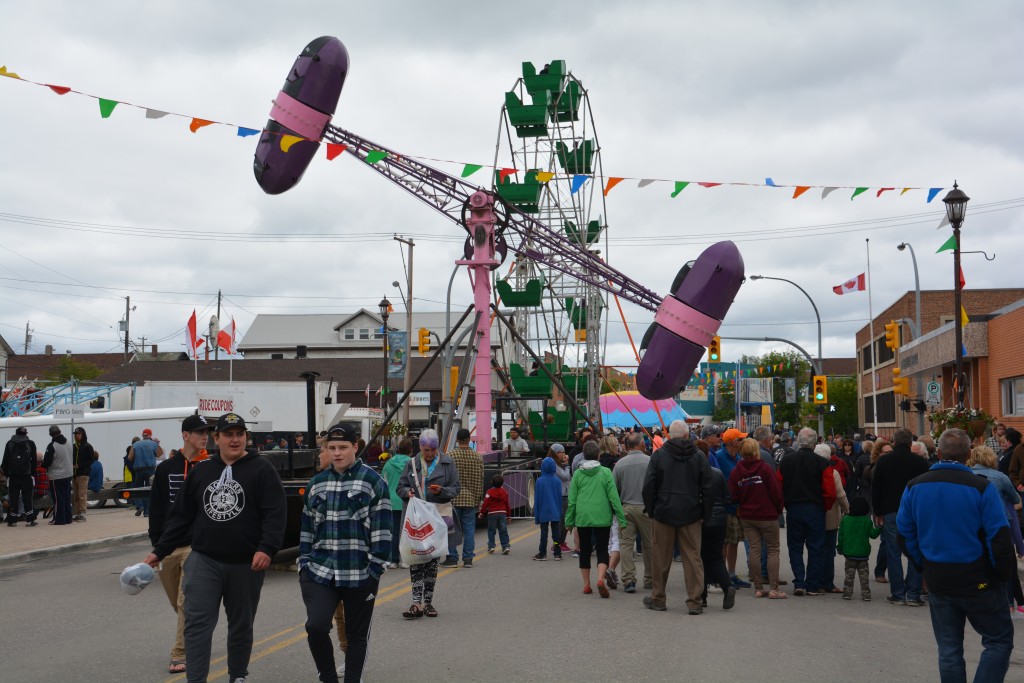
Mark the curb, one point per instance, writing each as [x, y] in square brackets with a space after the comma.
[42, 553]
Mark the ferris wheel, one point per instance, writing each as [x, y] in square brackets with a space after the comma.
[548, 165]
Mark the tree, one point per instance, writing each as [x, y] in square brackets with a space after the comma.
[792, 364]
[68, 368]
[842, 393]
[725, 402]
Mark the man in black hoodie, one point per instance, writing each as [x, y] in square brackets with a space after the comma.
[19, 464]
[888, 481]
[234, 506]
[84, 457]
[678, 494]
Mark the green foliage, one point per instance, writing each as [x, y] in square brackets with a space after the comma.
[68, 368]
[725, 402]
[842, 393]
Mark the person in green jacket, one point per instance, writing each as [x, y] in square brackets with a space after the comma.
[593, 499]
[855, 533]
[392, 472]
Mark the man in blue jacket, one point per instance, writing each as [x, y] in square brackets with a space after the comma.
[952, 528]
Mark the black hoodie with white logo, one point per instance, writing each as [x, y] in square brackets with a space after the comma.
[232, 512]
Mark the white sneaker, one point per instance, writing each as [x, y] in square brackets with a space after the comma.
[714, 588]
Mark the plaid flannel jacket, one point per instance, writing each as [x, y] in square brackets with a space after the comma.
[345, 537]
[471, 476]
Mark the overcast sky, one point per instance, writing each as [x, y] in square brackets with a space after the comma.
[874, 94]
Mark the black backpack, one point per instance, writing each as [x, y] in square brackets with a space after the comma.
[23, 459]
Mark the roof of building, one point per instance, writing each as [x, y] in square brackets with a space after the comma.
[5, 346]
[839, 367]
[39, 365]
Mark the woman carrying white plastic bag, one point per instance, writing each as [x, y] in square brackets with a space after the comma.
[424, 533]
[430, 476]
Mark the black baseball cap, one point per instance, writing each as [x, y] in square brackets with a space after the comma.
[79, 430]
[462, 435]
[195, 423]
[710, 430]
[229, 421]
[343, 432]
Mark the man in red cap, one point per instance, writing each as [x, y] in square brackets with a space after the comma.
[142, 455]
[727, 459]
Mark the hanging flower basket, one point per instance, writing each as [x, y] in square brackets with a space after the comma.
[975, 421]
[393, 429]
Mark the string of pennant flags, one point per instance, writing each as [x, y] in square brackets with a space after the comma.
[577, 181]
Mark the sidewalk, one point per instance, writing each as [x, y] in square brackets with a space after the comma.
[105, 526]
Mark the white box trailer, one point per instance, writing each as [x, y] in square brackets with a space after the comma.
[109, 432]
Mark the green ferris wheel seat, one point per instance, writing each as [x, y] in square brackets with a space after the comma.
[525, 196]
[550, 79]
[529, 120]
[579, 160]
[593, 232]
[530, 296]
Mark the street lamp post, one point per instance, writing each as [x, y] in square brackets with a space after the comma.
[956, 208]
[821, 416]
[385, 311]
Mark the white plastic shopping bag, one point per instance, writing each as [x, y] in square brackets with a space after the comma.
[424, 533]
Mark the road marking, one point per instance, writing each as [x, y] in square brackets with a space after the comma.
[384, 596]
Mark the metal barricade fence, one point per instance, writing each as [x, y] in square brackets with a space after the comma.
[519, 483]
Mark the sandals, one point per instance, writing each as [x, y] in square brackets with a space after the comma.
[177, 666]
[777, 595]
[414, 612]
[760, 594]
[429, 610]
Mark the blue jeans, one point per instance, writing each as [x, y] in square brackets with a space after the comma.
[900, 589]
[805, 525]
[544, 538]
[989, 617]
[141, 477]
[467, 520]
[497, 522]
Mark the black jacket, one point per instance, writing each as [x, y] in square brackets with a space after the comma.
[890, 476]
[801, 477]
[19, 457]
[168, 479]
[678, 488]
[229, 522]
[85, 456]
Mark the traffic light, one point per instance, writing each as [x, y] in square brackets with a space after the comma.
[900, 385]
[715, 350]
[424, 341]
[892, 335]
[820, 389]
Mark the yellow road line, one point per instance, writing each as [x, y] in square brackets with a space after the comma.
[384, 596]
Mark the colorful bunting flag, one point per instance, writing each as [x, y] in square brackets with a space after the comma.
[9, 74]
[545, 176]
[943, 223]
[827, 191]
[932, 192]
[470, 169]
[612, 182]
[949, 244]
[59, 89]
[905, 190]
[963, 317]
[800, 190]
[155, 114]
[963, 282]
[883, 189]
[769, 182]
[246, 132]
[334, 149]
[709, 184]
[504, 173]
[287, 141]
[375, 155]
[107, 107]
[858, 191]
[680, 186]
[200, 123]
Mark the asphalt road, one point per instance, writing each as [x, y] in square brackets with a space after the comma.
[508, 618]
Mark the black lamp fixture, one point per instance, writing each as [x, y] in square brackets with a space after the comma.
[956, 208]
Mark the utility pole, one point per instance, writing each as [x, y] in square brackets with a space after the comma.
[142, 343]
[408, 331]
[28, 336]
[127, 312]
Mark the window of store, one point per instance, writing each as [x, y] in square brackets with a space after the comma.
[886, 408]
[1013, 396]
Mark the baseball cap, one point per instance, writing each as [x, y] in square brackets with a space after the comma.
[21, 430]
[79, 430]
[136, 577]
[558, 448]
[462, 435]
[229, 421]
[342, 432]
[147, 432]
[732, 434]
[195, 423]
[710, 430]
[54, 430]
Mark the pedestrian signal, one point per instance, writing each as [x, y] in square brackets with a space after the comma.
[715, 350]
[424, 341]
[892, 335]
[819, 386]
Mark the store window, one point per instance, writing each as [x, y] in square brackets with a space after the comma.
[1013, 396]
[886, 408]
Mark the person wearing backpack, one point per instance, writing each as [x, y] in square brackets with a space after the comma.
[18, 465]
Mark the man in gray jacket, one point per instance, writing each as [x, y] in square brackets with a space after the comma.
[58, 462]
[629, 475]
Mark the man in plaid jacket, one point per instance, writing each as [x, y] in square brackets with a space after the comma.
[344, 546]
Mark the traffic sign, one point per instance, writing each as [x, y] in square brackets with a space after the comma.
[933, 394]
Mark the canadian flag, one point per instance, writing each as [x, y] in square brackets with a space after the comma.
[226, 338]
[192, 342]
[852, 285]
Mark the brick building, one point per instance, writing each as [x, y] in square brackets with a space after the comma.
[931, 357]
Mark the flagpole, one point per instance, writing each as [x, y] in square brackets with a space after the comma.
[871, 328]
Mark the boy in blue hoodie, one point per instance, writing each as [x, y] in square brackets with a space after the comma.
[547, 507]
